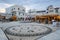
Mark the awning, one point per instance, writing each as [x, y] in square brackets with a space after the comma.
[58, 17]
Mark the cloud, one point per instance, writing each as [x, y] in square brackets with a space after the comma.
[3, 6]
[35, 6]
[30, 4]
[2, 10]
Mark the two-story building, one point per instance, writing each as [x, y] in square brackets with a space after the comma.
[52, 10]
[16, 10]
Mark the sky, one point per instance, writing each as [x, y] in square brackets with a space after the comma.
[29, 4]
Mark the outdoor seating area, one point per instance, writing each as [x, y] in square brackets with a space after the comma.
[47, 18]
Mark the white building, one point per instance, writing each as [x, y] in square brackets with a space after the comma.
[52, 10]
[16, 10]
[37, 12]
[7, 16]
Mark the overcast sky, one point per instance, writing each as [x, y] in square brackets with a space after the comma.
[30, 4]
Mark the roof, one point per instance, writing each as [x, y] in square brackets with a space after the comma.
[17, 6]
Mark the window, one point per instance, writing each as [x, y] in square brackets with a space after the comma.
[56, 10]
[12, 14]
[19, 13]
[51, 8]
[23, 13]
[47, 12]
[51, 11]
[23, 10]
[14, 8]
[47, 9]
[18, 9]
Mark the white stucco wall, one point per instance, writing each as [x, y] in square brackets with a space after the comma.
[15, 9]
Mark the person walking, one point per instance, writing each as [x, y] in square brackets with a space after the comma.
[54, 23]
[46, 21]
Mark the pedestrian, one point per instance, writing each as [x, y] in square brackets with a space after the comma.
[46, 21]
[54, 23]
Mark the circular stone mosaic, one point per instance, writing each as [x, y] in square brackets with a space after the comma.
[28, 30]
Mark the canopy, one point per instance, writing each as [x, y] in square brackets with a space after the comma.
[58, 17]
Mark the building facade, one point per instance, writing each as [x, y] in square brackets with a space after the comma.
[52, 10]
[16, 10]
[37, 12]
